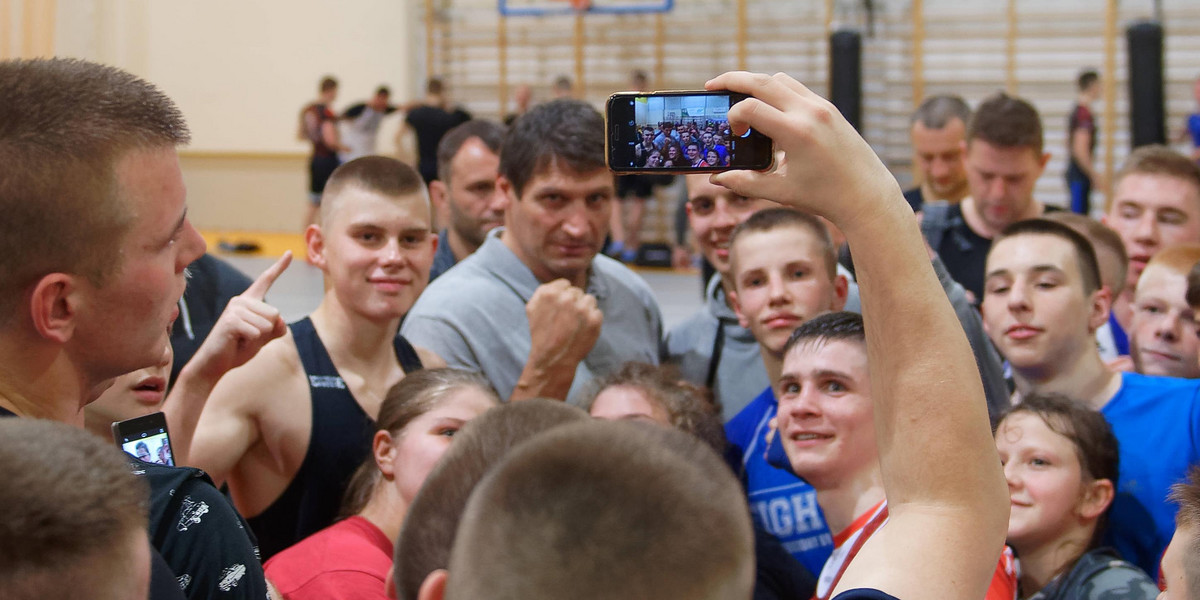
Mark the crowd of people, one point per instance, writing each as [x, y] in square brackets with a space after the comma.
[692, 143]
[985, 400]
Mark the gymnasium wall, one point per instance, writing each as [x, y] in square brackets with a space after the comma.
[241, 70]
[912, 48]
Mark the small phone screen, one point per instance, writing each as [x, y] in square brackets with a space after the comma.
[682, 132]
[149, 446]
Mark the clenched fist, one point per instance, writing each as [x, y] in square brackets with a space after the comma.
[564, 323]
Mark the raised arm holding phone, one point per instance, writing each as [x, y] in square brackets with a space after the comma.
[947, 495]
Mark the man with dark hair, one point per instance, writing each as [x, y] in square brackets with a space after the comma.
[1155, 205]
[937, 130]
[666, 133]
[287, 429]
[464, 195]
[1181, 562]
[318, 125]
[74, 516]
[1042, 305]
[93, 248]
[1004, 158]
[547, 288]
[1081, 143]
[360, 124]
[429, 120]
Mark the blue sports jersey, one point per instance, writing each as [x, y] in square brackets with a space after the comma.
[782, 503]
[1157, 423]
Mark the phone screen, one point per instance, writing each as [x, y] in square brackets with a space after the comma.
[149, 443]
[680, 131]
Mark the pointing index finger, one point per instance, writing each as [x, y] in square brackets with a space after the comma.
[258, 289]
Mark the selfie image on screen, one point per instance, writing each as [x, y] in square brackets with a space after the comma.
[682, 131]
[152, 448]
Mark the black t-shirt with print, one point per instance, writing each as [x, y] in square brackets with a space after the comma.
[201, 536]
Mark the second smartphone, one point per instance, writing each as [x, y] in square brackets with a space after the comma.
[680, 132]
[145, 438]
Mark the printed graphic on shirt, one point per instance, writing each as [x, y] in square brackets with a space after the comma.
[184, 581]
[791, 514]
[231, 577]
[191, 513]
[326, 381]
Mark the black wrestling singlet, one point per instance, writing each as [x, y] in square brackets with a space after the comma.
[340, 441]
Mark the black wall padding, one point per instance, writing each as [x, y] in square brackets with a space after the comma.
[845, 75]
[1147, 112]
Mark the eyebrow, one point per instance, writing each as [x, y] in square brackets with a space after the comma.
[557, 191]
[1037, 269]
[828, 373]
[358, 225]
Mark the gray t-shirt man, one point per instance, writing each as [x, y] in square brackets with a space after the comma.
[474, 317]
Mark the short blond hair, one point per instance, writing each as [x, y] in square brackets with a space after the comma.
[381, 175]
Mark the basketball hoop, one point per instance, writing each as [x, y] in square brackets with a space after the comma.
[580, 5]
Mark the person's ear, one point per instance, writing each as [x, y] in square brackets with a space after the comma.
[1101, 304]
[434, 240]
[53, 306]
[383, 447]
[438, 196]
[737, 309]
[507, 188]
[434, 586]
[1097, 496]
[314, 240]
[841, 291]
[1043, 160]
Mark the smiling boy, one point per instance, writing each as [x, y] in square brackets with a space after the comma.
[287, 429]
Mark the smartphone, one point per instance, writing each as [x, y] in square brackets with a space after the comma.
[145, 438]
[680, 132]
